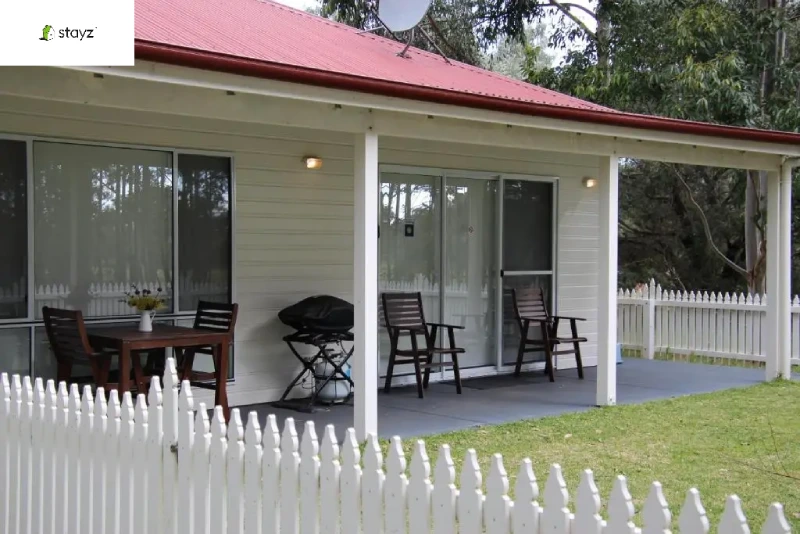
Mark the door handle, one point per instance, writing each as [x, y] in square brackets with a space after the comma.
[502, 273]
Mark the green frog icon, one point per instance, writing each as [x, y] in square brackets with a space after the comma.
[46, 35]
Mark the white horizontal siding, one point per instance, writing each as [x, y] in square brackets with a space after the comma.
[294, 228]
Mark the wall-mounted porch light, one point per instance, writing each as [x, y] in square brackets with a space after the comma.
[589, 182]
[312, 162]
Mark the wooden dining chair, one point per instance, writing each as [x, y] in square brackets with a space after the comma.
[66, 333]
[530, 307]
[403, 316]
[220, 317]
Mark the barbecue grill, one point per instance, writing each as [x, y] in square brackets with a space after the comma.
[323, 322]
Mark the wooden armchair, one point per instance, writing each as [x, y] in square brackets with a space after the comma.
[530, 310]
[210, 316]
[403, 316]
[66, 333]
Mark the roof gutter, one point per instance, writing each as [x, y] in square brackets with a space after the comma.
[260, 69]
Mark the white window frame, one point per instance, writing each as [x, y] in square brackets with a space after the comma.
[30, 322]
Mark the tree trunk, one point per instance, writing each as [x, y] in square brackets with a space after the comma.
[604, 40]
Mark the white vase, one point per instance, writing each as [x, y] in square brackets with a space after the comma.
[146, 321]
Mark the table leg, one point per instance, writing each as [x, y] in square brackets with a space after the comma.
[221, 389]
[124, 369]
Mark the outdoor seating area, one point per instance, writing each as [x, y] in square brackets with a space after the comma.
[73, 344]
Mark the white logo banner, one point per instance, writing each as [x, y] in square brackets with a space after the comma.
[66, 32]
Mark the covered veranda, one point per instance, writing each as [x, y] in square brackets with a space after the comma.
[505, 398]
[201, 100]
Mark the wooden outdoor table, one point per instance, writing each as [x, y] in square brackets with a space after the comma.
[128, 340]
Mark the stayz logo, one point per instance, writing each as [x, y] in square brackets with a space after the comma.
[49, 33]
[66, 33]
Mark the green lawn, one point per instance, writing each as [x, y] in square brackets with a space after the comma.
[742, 441]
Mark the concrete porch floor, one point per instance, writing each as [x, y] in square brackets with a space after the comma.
[501, 399]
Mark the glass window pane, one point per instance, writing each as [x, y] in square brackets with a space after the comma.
[13, 230]
[410, 253]
[470, 283]
[527, 226]
[102, 221]
[204, 226]
[15, 356]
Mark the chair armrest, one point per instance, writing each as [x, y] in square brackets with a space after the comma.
[445, 325]
[567, 318]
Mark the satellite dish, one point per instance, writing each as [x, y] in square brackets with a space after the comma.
[402, 15]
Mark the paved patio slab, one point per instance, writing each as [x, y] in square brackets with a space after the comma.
[500, 399]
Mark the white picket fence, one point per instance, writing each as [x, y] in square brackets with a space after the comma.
[82, 465]
[654, 320]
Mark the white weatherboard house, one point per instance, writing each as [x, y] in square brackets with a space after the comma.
[187, 171]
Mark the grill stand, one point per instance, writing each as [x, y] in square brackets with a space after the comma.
[321, 341]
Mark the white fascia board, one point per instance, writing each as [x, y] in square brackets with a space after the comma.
[231, 82]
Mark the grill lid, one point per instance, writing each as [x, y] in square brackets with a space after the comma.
[320, 313]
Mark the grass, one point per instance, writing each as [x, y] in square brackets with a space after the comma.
[742, 441]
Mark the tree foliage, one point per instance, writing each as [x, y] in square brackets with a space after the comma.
[734, 62]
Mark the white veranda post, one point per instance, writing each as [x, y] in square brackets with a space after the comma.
[785, 284]
[607, 282]
[365, 285]
[773, 270]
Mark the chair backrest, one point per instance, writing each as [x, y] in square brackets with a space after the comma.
[66, 333]
[216, 316]
[529, 302]
[403, 310]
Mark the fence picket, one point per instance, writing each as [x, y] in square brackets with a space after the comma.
[556, 517]
[620, 508]
[186, 449]
[49, 494]
[372, 480]
[289, 479]
[270, 476]
[470, 496]
[776, 522]
[199, 476]
[5, 452]
[692, 519]
[218, 480]
[395, 489]
[350, 484]
[98, 456]
[526, 510]
[587, 506]
[112, 458]
[419, 490]
[445, 495]
[656, 517]
[253, 453]
[733, 520]
[126, 465]
[330, 473]
[140, 457]
[74, 460]
[309, 480]
[235, 474]
[25, 460]
[497, 507]
[112, 467]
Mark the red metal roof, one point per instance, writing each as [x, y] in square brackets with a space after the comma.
[265, 39]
